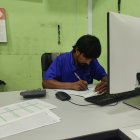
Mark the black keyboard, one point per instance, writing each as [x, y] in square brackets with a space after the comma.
[106, 98]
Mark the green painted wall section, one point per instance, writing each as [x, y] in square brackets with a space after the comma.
[32, 30]
[100, 9]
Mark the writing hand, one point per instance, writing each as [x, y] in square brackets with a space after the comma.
[80, 85]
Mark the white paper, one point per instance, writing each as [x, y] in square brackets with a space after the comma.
[136, 132]
[87, 93]
[40, 119]
[21, 110]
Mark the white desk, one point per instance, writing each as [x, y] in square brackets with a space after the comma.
[77, 120]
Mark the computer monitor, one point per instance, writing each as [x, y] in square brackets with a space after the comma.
[123, 37]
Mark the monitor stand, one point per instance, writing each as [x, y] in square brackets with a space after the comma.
[133, 102]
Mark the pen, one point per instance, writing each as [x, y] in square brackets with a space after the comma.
[77, 76]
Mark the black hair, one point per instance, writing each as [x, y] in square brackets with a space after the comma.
[88, 45]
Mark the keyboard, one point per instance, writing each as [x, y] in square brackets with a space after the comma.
[107, 98]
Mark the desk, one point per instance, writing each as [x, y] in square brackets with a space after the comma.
[76, 120]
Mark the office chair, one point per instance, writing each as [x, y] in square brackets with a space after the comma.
[2, 82]
[46, 60]
[2, 85]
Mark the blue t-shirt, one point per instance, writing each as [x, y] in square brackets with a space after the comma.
[63, 69]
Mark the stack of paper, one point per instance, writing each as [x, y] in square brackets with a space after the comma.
[87, 93]
[25, 116]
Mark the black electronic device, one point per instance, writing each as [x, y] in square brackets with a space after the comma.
[63, 96]
[121, 76]
[36, 93]
[107, 98]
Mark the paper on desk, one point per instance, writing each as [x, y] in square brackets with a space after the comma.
[87, 93]
[46, 117]
[136, 132]
[21, 110]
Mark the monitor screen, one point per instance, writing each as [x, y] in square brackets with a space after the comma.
[123, 35]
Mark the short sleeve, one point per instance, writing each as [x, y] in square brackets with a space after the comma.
[99, 71]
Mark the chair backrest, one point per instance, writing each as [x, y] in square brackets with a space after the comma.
[2, 82]
[2, 86]
[46, 60]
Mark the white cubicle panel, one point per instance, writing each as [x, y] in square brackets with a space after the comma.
[123, 51]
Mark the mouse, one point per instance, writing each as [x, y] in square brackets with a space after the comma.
[63, 96]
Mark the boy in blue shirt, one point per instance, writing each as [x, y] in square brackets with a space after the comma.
[76, 69]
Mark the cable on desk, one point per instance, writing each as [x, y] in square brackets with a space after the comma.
[80, 104]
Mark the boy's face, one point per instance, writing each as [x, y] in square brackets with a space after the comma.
[81, 60]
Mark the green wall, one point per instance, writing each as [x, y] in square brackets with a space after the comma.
[100, 9]
[32, 30]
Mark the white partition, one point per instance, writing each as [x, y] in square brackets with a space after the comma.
[124, 52]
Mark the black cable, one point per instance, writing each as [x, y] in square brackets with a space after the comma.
[113, 104]
[58, 28]
[80, 104]
[92, 104]
[119, 6]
